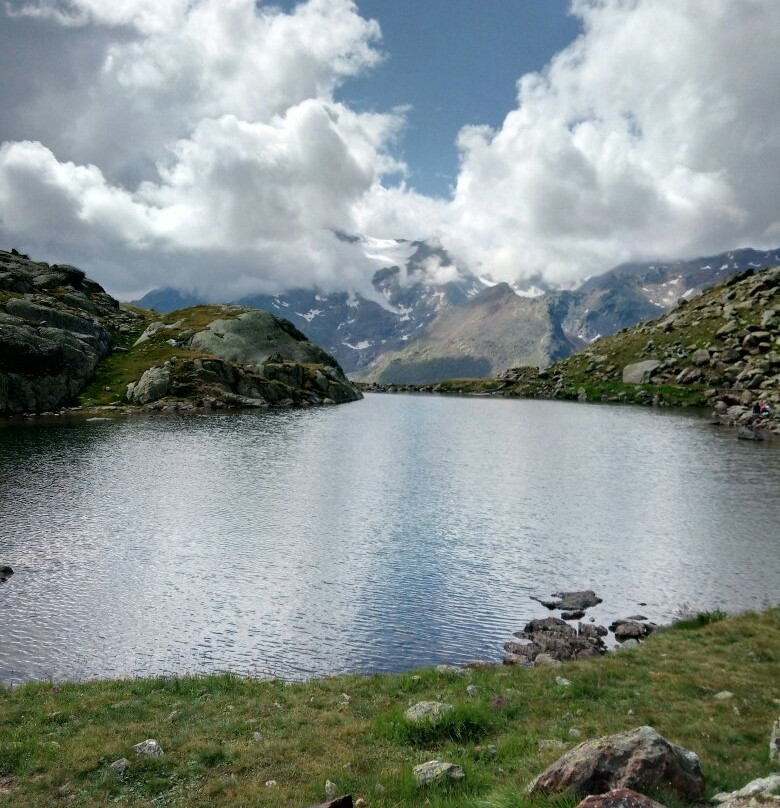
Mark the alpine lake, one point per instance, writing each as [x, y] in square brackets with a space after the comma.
[384, 535]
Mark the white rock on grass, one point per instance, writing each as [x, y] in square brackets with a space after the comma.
[331, 789]
[774, 743]
[764, 787]
[426, 711]
[435, 770]
[724, 695]
[148, 748]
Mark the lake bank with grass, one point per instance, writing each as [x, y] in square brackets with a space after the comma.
[231, 741]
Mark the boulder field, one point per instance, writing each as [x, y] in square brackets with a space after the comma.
[65, 341]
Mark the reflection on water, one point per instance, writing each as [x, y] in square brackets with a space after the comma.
[382, 535]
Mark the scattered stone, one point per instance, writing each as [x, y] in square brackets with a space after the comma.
[724, 695]
[360, 803]
[472, 690]
[435, 770]
[555, 638]
[426, 711]
[270, 783]
[628, 644]
[619, 798]
[639, 759]
[331, 789]
[562, 682]
[119, 767]
[575, 615]
[759, 793]
[774, 743]
[148, 748]
[5, 572]
[628, 629]
[546, 661]
[257, 736]
[575, 733]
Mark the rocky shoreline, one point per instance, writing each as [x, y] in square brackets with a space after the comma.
[63, 339]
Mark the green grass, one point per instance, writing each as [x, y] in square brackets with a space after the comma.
[58, 740]
[128, 363]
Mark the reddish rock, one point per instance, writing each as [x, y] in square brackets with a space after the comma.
[640, 759]
[619, 798]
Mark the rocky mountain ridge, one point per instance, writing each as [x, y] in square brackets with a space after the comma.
[720, 349]
[353, 327]
[62, 336]
[424, 303]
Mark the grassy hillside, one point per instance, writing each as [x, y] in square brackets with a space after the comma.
[57, 741]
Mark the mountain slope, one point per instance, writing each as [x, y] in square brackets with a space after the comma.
[494, 330]
[419, 282]
[721, 347]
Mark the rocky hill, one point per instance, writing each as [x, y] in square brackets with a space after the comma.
[65, 341]
[492, 331]
[721, 348]
[424, 305]
[416, 281]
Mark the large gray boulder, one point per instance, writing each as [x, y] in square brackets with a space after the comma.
[638, 759]
[640, 372]
[253, 336]
[152, 386]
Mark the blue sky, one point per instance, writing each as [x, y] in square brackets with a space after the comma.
[219, 146]
[456, 62]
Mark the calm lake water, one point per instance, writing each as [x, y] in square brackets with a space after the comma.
[382, 535]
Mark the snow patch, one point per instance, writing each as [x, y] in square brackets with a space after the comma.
[361, 346]
[310, 315]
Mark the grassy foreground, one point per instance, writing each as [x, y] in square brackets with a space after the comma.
[57, 741]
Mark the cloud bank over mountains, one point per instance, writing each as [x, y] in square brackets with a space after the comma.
[200, 144]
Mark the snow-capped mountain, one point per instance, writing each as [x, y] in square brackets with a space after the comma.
[415, 282]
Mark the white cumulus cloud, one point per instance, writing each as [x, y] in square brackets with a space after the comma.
[202, 145]
[656, 133]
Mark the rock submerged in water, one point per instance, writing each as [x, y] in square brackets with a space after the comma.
[5, 572]
[554, 639]
[570, 601]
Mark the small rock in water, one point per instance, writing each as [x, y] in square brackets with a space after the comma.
[577, 614]
[148, 748]
[437, 770]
